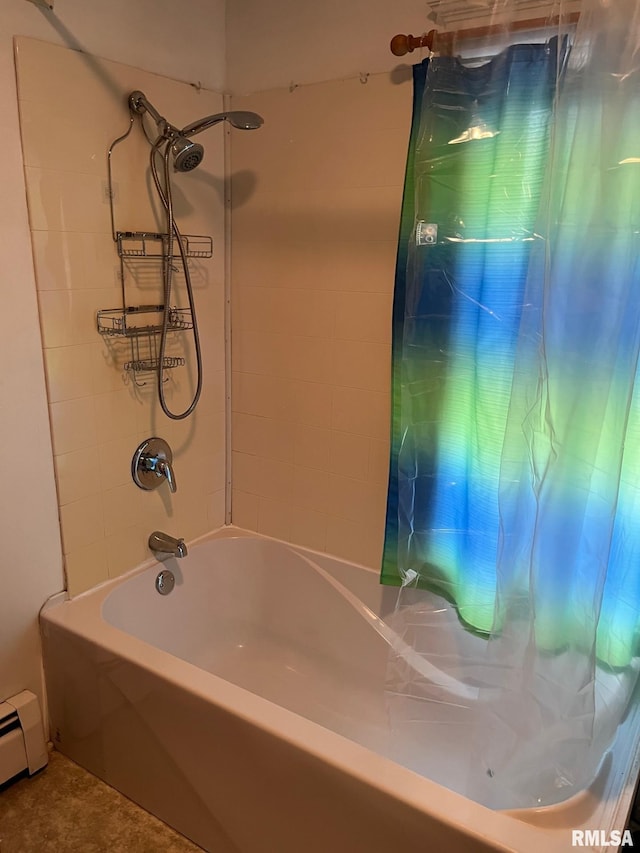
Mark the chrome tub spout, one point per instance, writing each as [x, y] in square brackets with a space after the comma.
[162, 543]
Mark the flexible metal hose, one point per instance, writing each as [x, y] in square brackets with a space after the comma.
[165, 196]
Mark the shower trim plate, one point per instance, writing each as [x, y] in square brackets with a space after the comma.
[151, 464]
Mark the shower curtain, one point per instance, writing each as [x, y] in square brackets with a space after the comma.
[514, 490]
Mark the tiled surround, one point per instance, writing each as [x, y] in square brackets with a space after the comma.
[72, 107]
[315, 215]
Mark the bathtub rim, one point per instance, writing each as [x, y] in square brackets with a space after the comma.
[502, 827]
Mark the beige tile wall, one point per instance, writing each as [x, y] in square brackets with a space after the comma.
[71, 108]
[315, 215]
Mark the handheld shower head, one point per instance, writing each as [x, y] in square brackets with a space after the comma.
[245, 120]
[186, 154]
[237, 118]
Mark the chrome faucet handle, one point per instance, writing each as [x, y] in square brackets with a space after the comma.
[152, 465]
[165, 468]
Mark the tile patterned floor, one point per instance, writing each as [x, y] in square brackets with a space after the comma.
[64, 809]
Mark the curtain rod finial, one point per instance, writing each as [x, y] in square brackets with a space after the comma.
[401, 45]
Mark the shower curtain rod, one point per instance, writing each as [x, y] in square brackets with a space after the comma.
[443, 41]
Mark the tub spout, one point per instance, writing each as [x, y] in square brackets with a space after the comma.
[162, 543]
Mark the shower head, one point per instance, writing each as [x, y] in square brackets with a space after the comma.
[238, 118]
[186, 154]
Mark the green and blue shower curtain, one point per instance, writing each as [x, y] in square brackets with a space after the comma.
[515, 458]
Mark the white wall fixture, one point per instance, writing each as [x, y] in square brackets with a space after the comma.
[22, 744]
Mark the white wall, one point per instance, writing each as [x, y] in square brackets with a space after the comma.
[283, 42]
[157, 36]
[312, 270]
[313, 255]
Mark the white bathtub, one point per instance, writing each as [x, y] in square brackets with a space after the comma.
[247, 709]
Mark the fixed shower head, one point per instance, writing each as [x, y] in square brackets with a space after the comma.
[186, 154]
[238, 118]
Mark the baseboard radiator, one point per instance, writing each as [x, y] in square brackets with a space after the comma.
[22, 744]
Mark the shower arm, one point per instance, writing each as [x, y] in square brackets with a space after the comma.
[139, 104]
[203, 124]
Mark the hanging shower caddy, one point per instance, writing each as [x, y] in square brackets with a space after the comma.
[141, 325]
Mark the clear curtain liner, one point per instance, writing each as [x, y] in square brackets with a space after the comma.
[514, 508]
